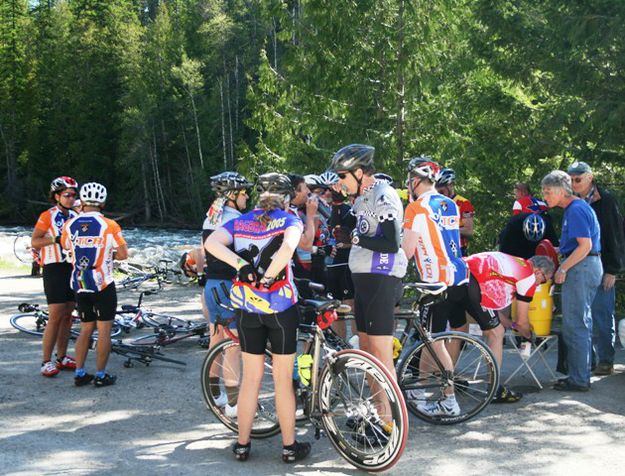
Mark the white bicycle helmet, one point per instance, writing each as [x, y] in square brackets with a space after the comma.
[329, 178]
[93, 194]
[61, 183]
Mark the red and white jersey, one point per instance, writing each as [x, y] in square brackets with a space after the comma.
[52, 221]
[91, 239]
[501, 278]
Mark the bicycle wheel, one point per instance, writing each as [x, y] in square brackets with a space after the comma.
[144, 355]
[163, 320]
[32, 323]
[224, 360]
[22, 248]
[475, 377]
[363, 410]
[75, 329]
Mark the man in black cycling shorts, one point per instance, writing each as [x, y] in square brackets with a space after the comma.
[376, 261]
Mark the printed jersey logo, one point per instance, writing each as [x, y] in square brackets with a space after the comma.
[363, 226]
[276, 223]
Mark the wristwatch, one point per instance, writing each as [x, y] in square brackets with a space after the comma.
[355, 239]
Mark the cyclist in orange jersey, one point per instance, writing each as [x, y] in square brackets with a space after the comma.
[56, 275]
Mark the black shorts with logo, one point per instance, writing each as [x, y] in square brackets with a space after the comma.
[56, 283]
[280, 329]
[97, 306]
[340, 283]
[460, 300]
[374, 302]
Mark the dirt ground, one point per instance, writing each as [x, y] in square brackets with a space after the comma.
[153, 421]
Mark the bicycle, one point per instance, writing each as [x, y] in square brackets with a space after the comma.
[160, 274]
[32, 320]
[420, 373]
[143, 354]
[343, 395]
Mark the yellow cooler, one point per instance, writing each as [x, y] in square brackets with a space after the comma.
[541, 310]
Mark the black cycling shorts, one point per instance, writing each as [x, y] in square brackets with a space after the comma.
[340, 283]
[460, 300]
[56, 283]
[97, 306]
[279, 328]
[375, 296]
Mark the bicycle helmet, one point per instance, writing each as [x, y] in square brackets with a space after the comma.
[329, 178]
[93, 194]
[446, 177]
[229, 181]
[424, 167]
[534, 227]
[314, 181]
[61, 183]
[275, 183]
[353, 157]
[384, 177]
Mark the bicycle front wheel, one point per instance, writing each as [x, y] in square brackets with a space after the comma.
[221, 368]
[22, 248]
[474, 379]
[32, 323]
[363, 410]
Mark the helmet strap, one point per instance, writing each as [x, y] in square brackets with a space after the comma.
[358, 181]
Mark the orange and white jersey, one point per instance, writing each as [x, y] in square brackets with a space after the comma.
[435, 220]
[501, 278]
[52, 222]
[91, 239]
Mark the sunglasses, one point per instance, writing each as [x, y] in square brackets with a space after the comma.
[577, 179]
[342, 175]
[69, 194]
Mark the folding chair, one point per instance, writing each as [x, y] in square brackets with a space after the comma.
[537, 356]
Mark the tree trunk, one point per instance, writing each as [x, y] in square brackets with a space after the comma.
[227, 79]
[223, 124]
[401, 86]
[146, 194]
[197, 130]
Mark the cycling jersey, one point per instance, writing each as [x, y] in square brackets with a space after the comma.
[435, 220]
[466, 210]
[528, 204]
[52, 221]
[256, 243]
[378, 203]
[302, 258]
[91, 239]
[501, 278]
[215, 268]
[342, 222]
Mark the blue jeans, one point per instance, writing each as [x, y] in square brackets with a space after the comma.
[604, 334]
[578, 292]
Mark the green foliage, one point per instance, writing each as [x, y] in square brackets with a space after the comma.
[152, 97]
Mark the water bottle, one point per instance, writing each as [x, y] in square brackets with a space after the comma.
[304, 365]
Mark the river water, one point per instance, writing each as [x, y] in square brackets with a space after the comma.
[146, 245]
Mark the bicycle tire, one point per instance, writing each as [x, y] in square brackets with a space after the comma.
[75, 330]
[266, 422]
[163, 320]
[475, 377]
[142, 352]
[21, 248]
[338, 407]
[31, 323]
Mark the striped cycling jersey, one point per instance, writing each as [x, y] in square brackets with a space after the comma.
[91, 239]
[52, 221]
[435, 220]
[501, 278]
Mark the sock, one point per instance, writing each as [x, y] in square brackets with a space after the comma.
[290, 447]
[233, 395]
[60, 359]
[451, 398]
[100, 373]
[213, 382]
[81, 372]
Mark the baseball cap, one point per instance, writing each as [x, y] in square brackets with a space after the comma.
[579, 168]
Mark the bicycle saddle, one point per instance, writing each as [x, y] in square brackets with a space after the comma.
[320, 305]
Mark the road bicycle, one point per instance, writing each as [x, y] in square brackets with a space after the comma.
[420, 373]
[142, 354]
[32, 320]
[136, 277]
[346, 394]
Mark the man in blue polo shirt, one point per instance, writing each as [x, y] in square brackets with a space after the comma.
[580, 274]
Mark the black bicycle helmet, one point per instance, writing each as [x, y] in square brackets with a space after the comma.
[353, 157]
[274, 182]
[424, 167]
[229, 181]
[446, 177]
